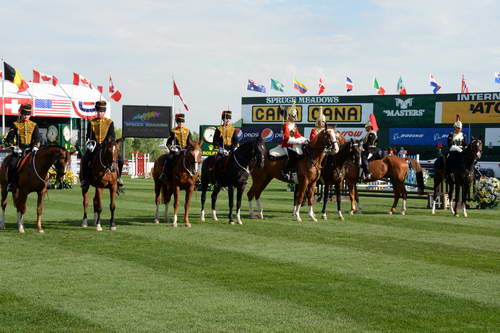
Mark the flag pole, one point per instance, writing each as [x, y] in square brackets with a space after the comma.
[70, 115]
[3, 99]
[172, 117]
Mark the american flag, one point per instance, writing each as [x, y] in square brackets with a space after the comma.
[52, 108]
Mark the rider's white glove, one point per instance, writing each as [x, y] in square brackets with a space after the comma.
[174, 149]
[297, 141]
[17, 150]
[90, 146]
[223, 151]
[456, 148]
[34, 149]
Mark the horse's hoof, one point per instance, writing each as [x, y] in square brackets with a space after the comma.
[403, 213]
[341, 218]
[351, 212]
[41, 231]
[98, 228]
[231, 222]
[261, 216]
[21, 230]
[390, 212]
[157, 221]
[457, 215]
[299, 219]
[84, 225]
[239, 222]
[324, 216]
[113, 228]
[188, 225]
[174, 225]
[313, 218]
[202, 219]
[433, 212]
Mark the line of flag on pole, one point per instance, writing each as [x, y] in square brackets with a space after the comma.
[349, 85]
[14, 76]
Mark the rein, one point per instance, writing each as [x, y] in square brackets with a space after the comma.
[105, 167]
[45, 181]
[191, 173]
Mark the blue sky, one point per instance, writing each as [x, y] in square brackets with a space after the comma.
[213, 48]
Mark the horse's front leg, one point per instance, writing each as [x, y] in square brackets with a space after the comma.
[465, 193]
[338, 196]
[98, 208]
[4, 206]
[311, 189]
[189, 193]
[21, 209]
[299, 198]
[215, 193]
[39, 210]
[230, 195]
[112, 206]
[451, 189]
[85, 195]
[457, 198]
[176, 205]
[326, 190]
[239, 194]
[157, 201]
[204, 188]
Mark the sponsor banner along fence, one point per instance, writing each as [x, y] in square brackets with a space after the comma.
[405, 110]
[421, 136]
[355, 133]
[270, 134]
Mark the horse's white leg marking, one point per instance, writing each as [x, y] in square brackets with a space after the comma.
[202, 215]
[311, 214]
[174, 224]
[214, 215]
[238, 216]
[324, 216]
[20, 224]
[157, 214]
[464, 210]
[297, 213]
[433, 206]
[341, 217]
[403, 212]
[260, 209]
[97, 222]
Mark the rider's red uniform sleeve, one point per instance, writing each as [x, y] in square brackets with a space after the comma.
[312, 135]
[286, 136]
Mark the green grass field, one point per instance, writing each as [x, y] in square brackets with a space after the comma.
[371, 273]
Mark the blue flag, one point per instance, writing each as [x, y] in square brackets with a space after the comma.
[497, 77]
[256, 87]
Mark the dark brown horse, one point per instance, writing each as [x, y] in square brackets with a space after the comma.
[336, 170]
[33, 177]
[105, 173]
[396, 169]
[185, 173]
[308, 172]
[458, 174]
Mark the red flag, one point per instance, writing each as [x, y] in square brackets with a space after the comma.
[111, 85]
[178, 93]
[373, 122]
[381, 91]
[464, 89]
[402, 91]
[81, 80]
[42, 78]
[117, 95]
[321, 86]
[100, 88]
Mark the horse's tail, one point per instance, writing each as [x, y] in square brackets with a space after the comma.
[420, 176]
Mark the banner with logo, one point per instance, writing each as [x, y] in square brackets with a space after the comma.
[473, 111]
[421, 136]
[207, 134]
[492, 137]
[355, 133]
[404, 110]
[269, 134]
[146, 121]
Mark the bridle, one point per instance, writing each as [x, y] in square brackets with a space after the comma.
[195, 164]
[45, 181]
[107, 168]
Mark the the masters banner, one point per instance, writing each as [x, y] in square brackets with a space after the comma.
[404, 110]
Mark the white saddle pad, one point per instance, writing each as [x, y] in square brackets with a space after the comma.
[278, 151]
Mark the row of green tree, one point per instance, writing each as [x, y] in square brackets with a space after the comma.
[154, 147]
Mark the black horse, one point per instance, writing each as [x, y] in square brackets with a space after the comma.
[231, 171]
[334, 172]
[458, 171]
